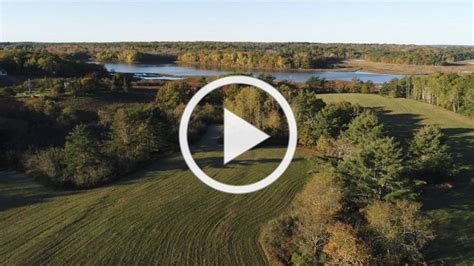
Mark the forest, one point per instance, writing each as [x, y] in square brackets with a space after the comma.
[40, 63]
[255, 55]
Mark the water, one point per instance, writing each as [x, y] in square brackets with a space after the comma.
[174, 71]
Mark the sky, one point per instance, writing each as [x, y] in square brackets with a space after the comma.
[370, 21]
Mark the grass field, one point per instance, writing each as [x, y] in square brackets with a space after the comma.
[453, 211]
[165, 215]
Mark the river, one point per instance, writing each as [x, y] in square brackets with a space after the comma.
[175, 71]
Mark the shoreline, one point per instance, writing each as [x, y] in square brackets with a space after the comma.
[350, 65]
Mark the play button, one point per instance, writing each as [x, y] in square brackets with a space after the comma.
[239, 136]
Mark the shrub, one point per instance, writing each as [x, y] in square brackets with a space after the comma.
[46, 165]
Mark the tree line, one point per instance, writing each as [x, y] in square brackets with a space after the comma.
[131, 56]
[40, 63]
[257, 55]
[452, 91]
[65, 147]
[259, 59]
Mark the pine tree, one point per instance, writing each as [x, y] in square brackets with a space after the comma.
[85, 165]
[364, 128]
[374, 171]
[430, 155]
[333, 119]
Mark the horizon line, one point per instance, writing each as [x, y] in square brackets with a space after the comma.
[223, 41]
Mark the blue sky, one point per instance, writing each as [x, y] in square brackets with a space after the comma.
[417, 22]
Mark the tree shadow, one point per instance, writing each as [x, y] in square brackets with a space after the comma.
[453, 222]
[400, 126]
[461, 141]
[17, 190]
[217, 162]
[133, 96]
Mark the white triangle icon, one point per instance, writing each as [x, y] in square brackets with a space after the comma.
[239, 136]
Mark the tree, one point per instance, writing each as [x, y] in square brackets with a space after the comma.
[333, 148]
[332, 120]
[305, 106]
[279, 236]
[90, 83]
[400, 230]
[268, 78]
[451, 91]
[174, 93]
[344, 247]
[259, 109]
[126, 84]
[249, 104]
[288, 89]
[316, 207]
[85, 164]
[120, 82]
[46, 164]
[394, 88]
[316, 84]
[374, 171]
[138, 134]
[364, 128]
[430, 155]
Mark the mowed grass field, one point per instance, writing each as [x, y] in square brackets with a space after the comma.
[164, 215]
[453, 211]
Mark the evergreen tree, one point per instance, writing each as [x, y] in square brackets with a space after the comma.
[374, 171]
[430, 155]
[364, 128]
[85, 165]
[333, 119]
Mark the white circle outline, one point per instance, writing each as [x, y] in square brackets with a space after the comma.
[237, 189]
